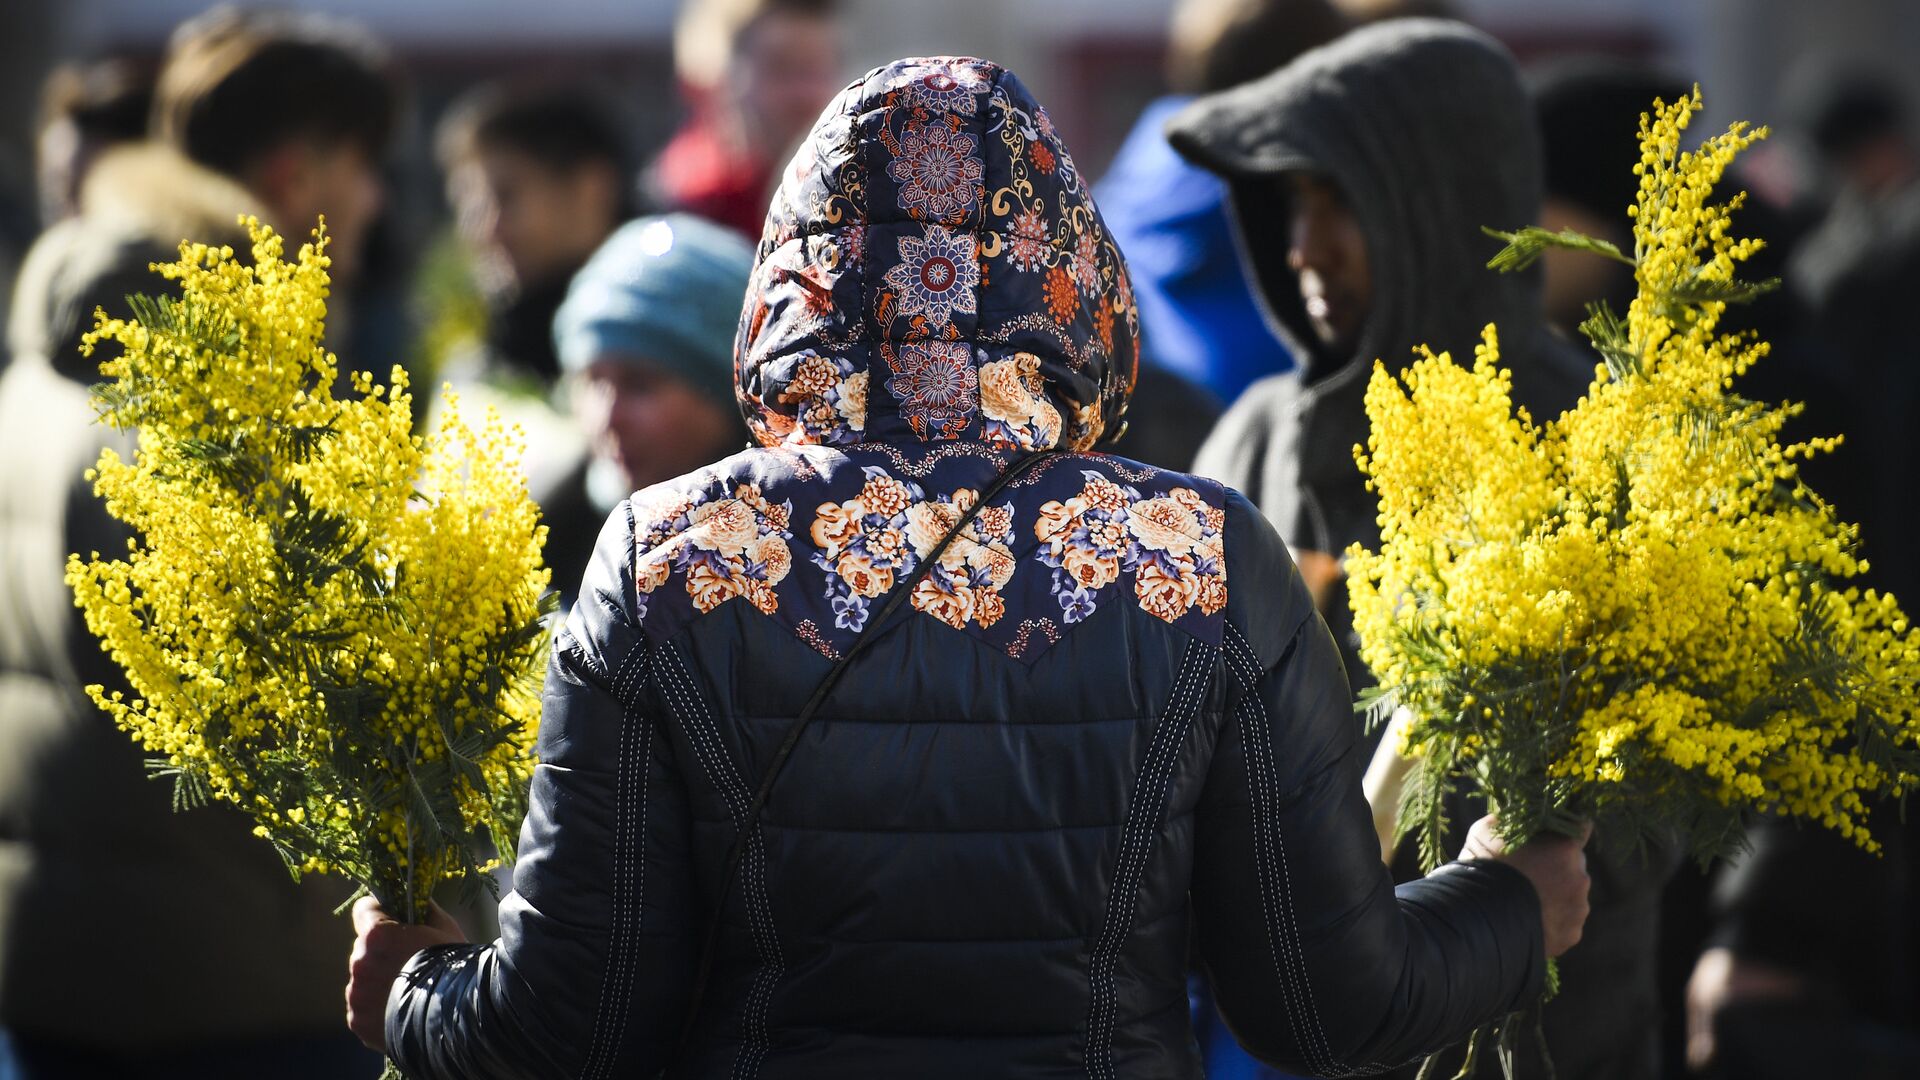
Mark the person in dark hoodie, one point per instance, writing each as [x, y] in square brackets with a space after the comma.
[1360, 176]
[1074, 743]
[1203, 338]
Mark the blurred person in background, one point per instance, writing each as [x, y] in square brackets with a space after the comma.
[298, 110]
[1360, 194]
[1857, 273]
[286, 117]
[1812, 964]
[1812, 958]
[86, 107]
[645, 337]
[1197, 313]
[1203, 338]
[755, 74]
[1589, 110]
[538, 175]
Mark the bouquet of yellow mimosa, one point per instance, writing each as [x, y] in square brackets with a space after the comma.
[326, 620]
[1634, 612]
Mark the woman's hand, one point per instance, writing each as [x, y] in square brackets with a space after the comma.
[1557, 866]
[383, 948]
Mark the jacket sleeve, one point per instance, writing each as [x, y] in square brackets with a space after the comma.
[596, 953]
[1316, 961]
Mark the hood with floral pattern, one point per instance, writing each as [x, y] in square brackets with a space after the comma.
[933, 269]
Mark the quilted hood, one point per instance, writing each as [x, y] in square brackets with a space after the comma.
[933, 269]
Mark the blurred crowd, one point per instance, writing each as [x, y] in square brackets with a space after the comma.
[1301, 201]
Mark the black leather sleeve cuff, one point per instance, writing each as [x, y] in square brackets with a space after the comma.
[1510, 907]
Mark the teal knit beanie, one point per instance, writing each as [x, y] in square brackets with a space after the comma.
[663, 289]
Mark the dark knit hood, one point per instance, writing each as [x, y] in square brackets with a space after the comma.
[933, 269]
[1425, 127]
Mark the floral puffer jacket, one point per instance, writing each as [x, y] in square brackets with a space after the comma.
[1108, 723]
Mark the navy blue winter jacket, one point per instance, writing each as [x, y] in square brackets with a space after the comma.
[1107, 739]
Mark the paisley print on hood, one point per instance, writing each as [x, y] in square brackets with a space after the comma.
[931, 226]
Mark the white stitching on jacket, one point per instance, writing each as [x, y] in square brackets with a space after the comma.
[1251, 716]
[1146, 809]
[634, 842]
[610, 1020]
[687, 705]
[1270, 852]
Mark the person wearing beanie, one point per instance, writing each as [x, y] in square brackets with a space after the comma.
[645, 338]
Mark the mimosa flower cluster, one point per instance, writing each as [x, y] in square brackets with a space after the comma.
[325, 619]
[1635, 612]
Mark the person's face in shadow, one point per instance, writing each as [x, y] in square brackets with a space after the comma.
[1327, 252]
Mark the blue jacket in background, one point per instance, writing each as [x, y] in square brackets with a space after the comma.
[1198, 315]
